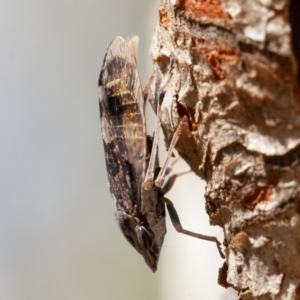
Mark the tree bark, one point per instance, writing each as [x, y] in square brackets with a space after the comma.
[236, 79]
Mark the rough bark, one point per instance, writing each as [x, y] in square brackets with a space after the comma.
[236, 80]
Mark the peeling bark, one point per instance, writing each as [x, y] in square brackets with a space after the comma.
[236, 79]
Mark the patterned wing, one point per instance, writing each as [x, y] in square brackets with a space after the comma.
[122, 122]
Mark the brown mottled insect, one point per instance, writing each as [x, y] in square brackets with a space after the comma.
[131, 164]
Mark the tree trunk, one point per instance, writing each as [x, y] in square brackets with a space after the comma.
[236, 79]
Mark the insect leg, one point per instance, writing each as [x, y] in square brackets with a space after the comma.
[150, 173]
[176, 223]
[170, 181]
[147, 87]
[182, 125]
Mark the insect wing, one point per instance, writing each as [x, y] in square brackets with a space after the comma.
[122, 122]
[125, 143]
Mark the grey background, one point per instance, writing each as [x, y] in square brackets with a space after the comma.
[58, 237]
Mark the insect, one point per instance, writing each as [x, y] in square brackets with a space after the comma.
[131, 155]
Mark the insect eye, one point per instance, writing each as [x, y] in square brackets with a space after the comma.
[145, 238]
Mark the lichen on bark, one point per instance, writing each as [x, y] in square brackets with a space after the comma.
[236, 79]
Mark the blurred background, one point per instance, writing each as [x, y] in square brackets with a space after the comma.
[58, 235]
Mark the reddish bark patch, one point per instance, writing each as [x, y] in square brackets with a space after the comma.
[218, 54]
[205, 8]
[260, 195]
[164, 18]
